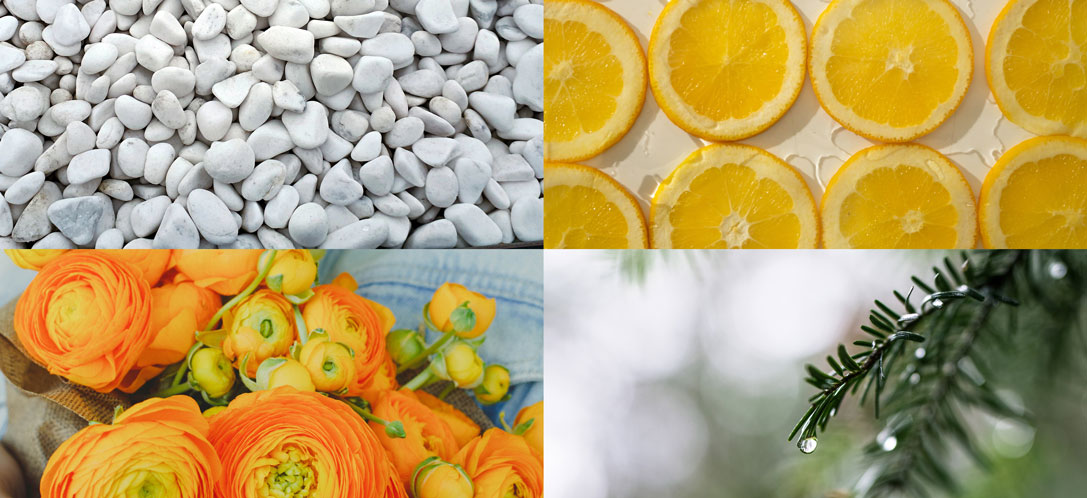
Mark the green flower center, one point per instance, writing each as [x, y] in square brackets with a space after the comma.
[292, 478]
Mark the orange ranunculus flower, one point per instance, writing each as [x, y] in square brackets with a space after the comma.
[448, 297]
[156, 448]
[534, 435]
[295, 269]
[359, 323]
[330, 364]
[427, 434]
[226, 271]
[86, 318]
[435, 478]
[286, 442]
[394, 488]
[33, 259]
[178, 311]
[346, 281]
[464, 429]
[262, 326]
[384, 379]
[501, 464]
[149, 263]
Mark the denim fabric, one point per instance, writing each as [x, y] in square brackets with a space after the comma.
[404, 281]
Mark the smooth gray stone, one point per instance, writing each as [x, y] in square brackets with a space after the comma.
[78, 218]
[211, 217]
[308, 225]
[177, 230]
[265, 182]
[339, 187]
[473, 225]
[526, 216]
[362, 234]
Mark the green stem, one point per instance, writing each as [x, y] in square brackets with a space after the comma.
[265, 265]
[448, 389]
[420, 380]
[418, 359]
[172, 390]
[184, 367]
[393, 429]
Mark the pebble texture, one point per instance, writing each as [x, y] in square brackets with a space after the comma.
[263, 123]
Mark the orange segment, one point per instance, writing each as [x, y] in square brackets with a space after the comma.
[733, 196]
[586, 209]
[1035, 197]
[1036, 62]
[594, 79]
[891, 70]
[727, 69]
[898, 197]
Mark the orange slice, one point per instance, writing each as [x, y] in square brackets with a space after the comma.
[1036, 196]
[586, 209]
[899, 197]
[727, 69]
[733, 196]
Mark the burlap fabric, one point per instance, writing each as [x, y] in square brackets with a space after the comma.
[45, 409]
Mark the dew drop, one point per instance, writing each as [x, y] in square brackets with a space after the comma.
[886, 439]
[908, 318]
[1058, 270]
[807, 445]
[890, 443]
[915, 378]
[936, 303]
[919, 353]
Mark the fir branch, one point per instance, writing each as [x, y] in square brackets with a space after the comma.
[931, 386]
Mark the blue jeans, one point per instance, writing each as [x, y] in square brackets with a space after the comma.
[404, 281]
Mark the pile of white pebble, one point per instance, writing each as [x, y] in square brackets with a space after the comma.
[270, 123]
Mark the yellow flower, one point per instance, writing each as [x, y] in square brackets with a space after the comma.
[330, 364]
[261, 326]
[277, 372]
[496, 383]
[463, 365]
[212, 371]
[295, 271]
[449, 297]
[437, 479]
[33, 259]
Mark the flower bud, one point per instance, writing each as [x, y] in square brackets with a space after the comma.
[404, 345]
[212, 372]
[210, 412]
[330, 364]
[437, 479]
[463, 365]
[276, 372]
[496, 383]
[443, 310]
[293, 271]
[261, 326]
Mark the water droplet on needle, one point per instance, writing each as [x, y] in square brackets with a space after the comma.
[807, 445]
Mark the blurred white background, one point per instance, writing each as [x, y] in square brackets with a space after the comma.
[678, 381]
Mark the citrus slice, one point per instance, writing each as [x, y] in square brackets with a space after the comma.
[899, 197]
[586, 209]
[727, 69]
[733, 196]
[890, 70]
[1036, 61]
[1036, 196]
[594, 79]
